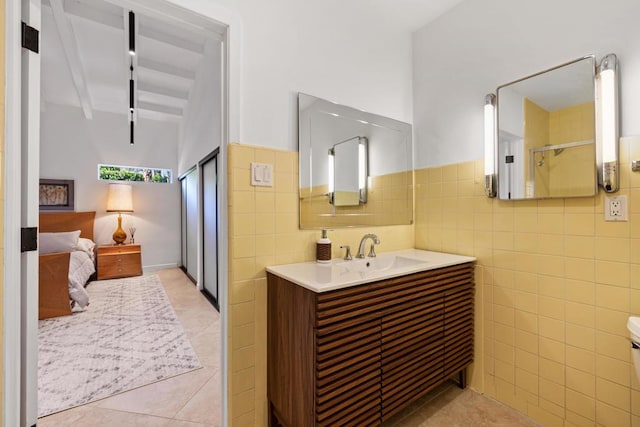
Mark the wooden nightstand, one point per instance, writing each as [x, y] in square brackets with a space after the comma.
[116, 261]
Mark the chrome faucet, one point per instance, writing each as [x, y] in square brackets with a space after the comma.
[375, 240]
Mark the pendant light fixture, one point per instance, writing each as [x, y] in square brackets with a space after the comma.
[132, 52]
[132, 39]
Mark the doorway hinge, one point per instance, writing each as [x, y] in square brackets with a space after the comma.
[28, 239]
[30, 38]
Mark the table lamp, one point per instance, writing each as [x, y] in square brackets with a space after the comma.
[119, 200]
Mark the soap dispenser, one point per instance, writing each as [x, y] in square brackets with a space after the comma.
[323, 248]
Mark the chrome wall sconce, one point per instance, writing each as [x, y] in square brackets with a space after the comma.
[490, 145]
[607, 128]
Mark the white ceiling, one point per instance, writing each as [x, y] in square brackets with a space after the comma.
[85, 62]
[409, 15]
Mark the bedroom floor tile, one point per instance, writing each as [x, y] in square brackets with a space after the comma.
[90, 416]
[205, 405]
[188, 400]
[164, 398]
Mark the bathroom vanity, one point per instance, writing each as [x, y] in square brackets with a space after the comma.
[355, 342]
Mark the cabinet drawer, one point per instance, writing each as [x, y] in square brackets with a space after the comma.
[119, 249]
[119, 265]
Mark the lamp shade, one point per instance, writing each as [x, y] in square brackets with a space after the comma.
[120, 198]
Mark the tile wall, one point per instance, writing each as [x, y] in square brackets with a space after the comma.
[555, 285]
[263, 230]
[389, 201]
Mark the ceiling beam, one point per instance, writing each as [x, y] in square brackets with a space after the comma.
[166, 68]
[70, 47]
[86, 11]
[150, 106]
[179, 18]
[94, 14]
[178, 42]
[161, 90]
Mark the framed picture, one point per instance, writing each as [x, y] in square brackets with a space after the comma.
[56, 195]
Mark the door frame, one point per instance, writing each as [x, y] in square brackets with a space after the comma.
[11, 311]
[11, 301]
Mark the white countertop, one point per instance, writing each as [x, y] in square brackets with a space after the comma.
[339, 274]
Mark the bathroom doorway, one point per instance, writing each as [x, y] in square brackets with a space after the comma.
[19, 360]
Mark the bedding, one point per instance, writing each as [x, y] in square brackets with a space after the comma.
[88, 246]
[81, 267]
[62, 278]
[49, 243]
[81, 261]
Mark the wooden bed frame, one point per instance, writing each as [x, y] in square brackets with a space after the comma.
[53, 280]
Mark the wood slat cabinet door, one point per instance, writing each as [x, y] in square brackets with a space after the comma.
[414, 336]
[359, 355]
[458, 328]
[347, 371]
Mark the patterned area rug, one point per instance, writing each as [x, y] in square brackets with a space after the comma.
[128, 337]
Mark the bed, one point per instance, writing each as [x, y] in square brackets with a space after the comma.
[58, 289]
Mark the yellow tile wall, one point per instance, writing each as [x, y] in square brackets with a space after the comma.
[2, 102]
[263, 230]
[573, 166]
[555, 284]
[389, 201]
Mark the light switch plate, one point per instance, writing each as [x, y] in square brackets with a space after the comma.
[261, 174]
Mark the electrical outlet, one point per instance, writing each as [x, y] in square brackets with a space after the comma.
[615, 208]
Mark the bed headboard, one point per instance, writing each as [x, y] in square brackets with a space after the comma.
[55, 222]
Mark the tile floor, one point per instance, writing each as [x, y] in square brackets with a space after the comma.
[450, 406]
[193, 399]
[189, 400]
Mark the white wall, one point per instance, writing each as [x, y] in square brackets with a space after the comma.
[479, 45]
[331, 49]
[200, 131]
[71, 147]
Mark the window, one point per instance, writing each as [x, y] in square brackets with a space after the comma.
[133, 173]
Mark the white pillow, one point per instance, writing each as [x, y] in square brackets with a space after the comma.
[86, 245]
[58, 242]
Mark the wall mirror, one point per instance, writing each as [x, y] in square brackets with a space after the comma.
[356, 168]
[546, 134]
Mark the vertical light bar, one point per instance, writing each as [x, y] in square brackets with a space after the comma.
[490, 144]
[331, 176]
[608, 117]
[132, 29]
[131, 88]
[361, 166]
[131, 141]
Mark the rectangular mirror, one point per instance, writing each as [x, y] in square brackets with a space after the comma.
[546, 134]
[356, 168]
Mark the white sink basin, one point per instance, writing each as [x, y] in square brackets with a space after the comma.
[379, 263]
[341, 274]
